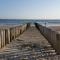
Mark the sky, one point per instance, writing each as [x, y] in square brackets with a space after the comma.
[29, 9]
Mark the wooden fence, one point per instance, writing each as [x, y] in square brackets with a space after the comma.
[10, 33]
[52, 36]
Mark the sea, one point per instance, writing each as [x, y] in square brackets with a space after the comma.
[44, 22]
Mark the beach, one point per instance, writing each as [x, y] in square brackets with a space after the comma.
[29, 42]
[30, 45]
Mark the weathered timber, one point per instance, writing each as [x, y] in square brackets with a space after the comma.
[30, 45]
[9, 33]
[51, 35]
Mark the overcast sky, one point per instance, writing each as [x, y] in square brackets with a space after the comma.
[30, 9]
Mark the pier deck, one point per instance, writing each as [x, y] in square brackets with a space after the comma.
[31, 45]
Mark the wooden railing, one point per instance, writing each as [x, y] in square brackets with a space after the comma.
[52, 36]
[10, 33]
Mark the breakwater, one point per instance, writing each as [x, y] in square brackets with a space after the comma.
[52, 36]
[31, 45]
[9, 33]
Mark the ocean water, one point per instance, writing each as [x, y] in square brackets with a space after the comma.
[24, 21]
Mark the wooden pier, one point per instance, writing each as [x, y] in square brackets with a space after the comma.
[31, 45]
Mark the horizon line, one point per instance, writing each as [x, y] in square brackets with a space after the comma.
[30, 19]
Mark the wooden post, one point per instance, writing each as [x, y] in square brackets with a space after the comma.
[9, 39]
[3, 37]
[58, 43]
[14, 32]
[6, 37]
[0, 38]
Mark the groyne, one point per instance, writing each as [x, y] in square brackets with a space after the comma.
[52, 36]
[9, 33]
[31, 45]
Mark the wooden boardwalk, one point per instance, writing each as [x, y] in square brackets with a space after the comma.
[31, 45]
